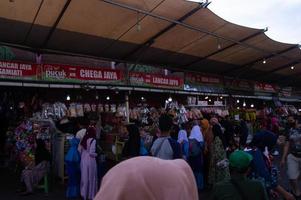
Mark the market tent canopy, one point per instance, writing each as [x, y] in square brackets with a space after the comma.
[175, 34]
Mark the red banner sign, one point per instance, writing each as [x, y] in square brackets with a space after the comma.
[16, 70]
[76, 73]
[265, 87]
[203, 79]
[155, 80]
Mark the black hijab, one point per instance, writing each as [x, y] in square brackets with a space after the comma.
[217, 132]
[42, 154]
[132, 147]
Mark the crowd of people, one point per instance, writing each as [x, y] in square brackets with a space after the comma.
[233, 160]
[228, 159]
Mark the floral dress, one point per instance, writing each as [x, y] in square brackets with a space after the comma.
[217, 154]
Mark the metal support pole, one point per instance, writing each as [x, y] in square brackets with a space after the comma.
[127, 107]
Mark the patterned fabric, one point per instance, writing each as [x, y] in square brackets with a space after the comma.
[294, 137]
[217, 154]
[262, 170]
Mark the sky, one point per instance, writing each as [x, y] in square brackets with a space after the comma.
[282, 17]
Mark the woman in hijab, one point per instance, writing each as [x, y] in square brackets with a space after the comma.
[262, 168]
[149, 178]
[196, 157]
[208, 137]
[132, 147]
[72, 160]
[32, 175]
[218, 169]
[88, 165]
[183, 140]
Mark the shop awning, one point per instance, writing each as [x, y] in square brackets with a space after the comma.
[175, 34]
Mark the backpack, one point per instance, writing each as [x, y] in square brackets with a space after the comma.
[195, 148]
[176, 148]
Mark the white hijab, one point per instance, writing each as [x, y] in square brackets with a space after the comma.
[196, 133]
[182, 136]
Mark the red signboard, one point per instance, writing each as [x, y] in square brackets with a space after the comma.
[16, 70]
[265, 87]
[156, 80]
[76, 73]
[203, 79]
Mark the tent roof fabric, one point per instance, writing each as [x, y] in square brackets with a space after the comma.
[177, 34]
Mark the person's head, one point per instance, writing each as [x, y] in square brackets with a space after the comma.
[133, 131]
[205, 124]
[147, 178]
[264, 139]
[83, 122]
[165, 124]
[90, 133]
[291, 120]
[217, 131]
[239, 162]
[185, 126]
[213, 121]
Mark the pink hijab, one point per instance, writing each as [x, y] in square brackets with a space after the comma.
[149, 178]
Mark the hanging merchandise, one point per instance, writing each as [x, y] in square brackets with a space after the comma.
[107, 108]
[72, 110]
[291, 109]
[60, 110]
[113, 108]
[87, 108]
[182, 115]
[144, 115]
[100, 108]
[47, 111]
[134, 114]
[121, 110]
[196, 113]
[79, 110]
[93, 107]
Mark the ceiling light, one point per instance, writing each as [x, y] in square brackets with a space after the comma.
[238, 108]
[169, 99]
[221, 97]
[68, 98]
[244, 104]
[108, 98]
[252, 105]
[237, 101]
[209, 100]
[206, 97]
[292, 67]
[142, 98]
[264, 61]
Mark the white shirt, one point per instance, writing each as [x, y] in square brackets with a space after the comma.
[80, 134]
